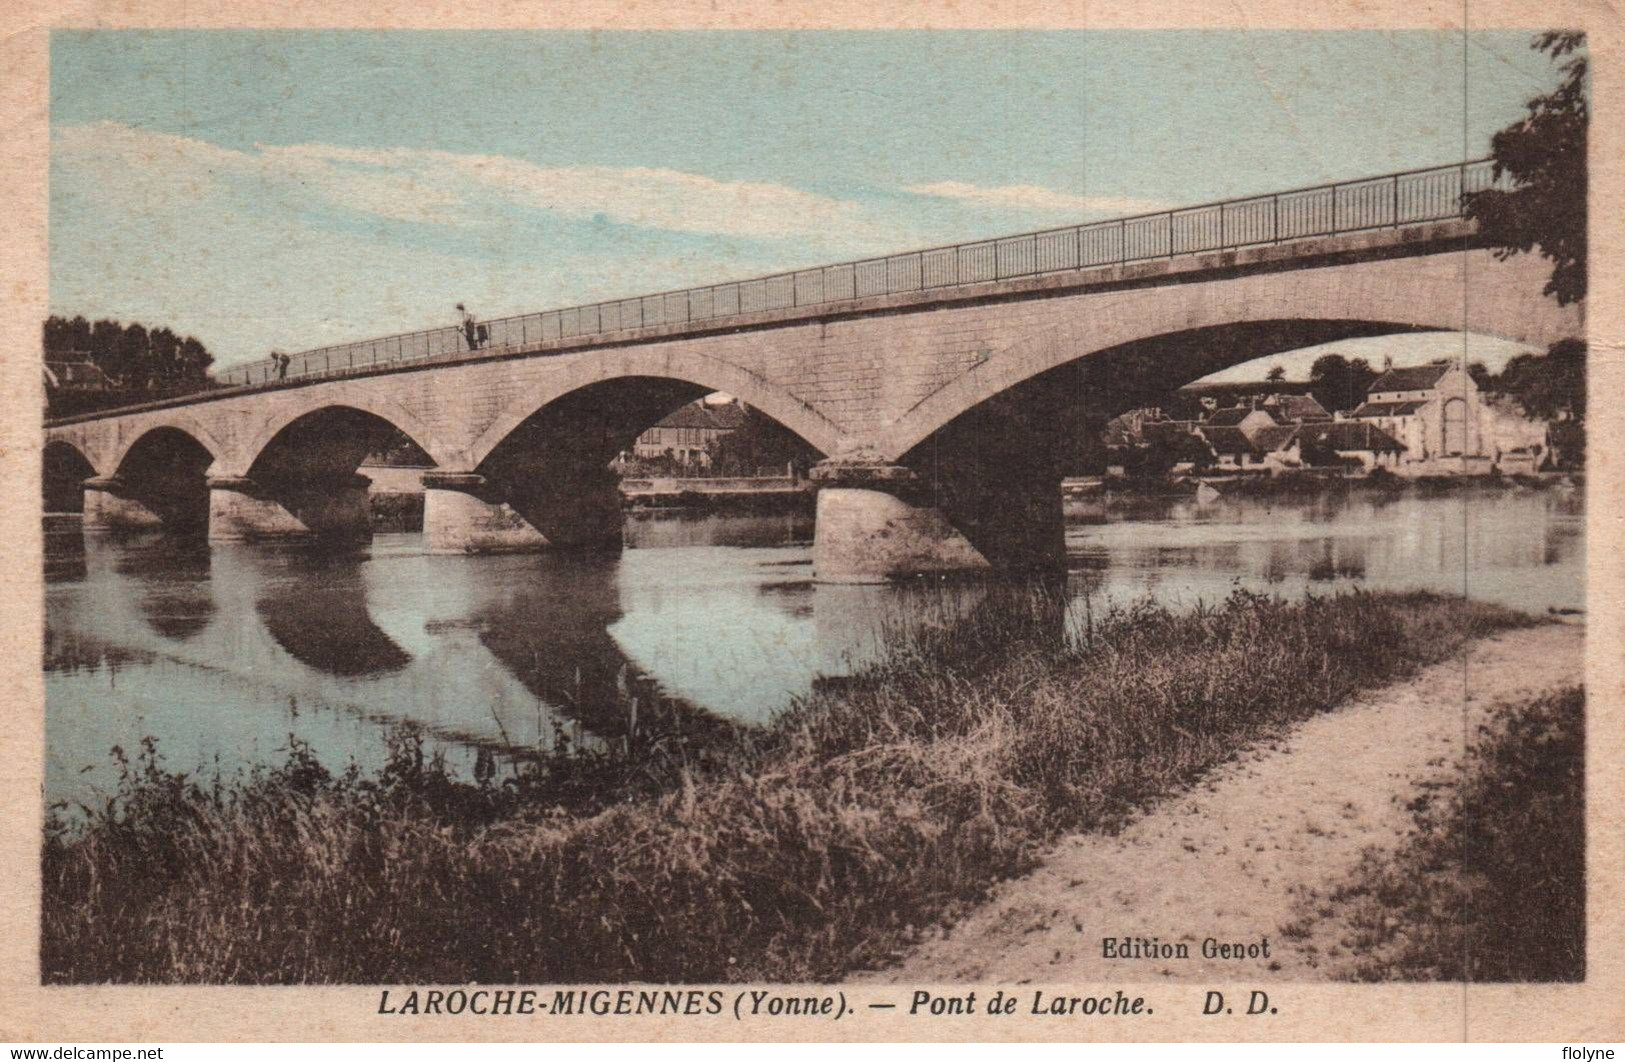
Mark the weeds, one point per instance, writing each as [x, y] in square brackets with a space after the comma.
[1491, 884]
[799, 852]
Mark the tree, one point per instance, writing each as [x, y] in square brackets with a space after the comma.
[1551, 386]
[131, 356]
[1545, 155]
[1339, 383]
[760, 442]
[138, 363]
[1165, 449]
[1275, 375]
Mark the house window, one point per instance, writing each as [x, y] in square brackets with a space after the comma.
[1455, 426]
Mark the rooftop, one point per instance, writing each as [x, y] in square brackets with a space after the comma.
[1415, 378]
[726, 417]
[1344, 435]
[1388, 409]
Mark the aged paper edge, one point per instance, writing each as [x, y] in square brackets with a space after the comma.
[1592, 1011]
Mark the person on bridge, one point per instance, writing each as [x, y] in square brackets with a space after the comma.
[282, 361]
[472, 330]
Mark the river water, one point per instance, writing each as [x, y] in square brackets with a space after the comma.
[222, 653]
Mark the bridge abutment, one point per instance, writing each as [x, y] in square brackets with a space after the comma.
[110, 506]
[461, 514]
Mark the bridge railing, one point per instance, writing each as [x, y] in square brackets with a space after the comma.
[1388, 201]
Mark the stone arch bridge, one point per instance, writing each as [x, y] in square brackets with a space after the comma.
[941, 408]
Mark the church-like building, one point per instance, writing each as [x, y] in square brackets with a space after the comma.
[1447, 426]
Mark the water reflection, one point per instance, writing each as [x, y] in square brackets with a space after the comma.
[315, 609]
[1524, 550]
[223, 654]
[170, 578]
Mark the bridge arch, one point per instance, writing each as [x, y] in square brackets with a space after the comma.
[704, 373]
[1254, 316]
[64, 469]
[180, 421]
[321, 400]
[165, 472]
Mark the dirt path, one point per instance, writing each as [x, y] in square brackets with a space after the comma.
[1248, 851]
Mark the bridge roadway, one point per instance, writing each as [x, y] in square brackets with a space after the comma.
[944, 412]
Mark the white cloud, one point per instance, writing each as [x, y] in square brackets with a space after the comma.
[642, 196]
[1034, 198]
[447, 188]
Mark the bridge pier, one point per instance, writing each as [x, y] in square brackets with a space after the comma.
[242, 509]
[110, 506]
[461, 514]
[876, 522]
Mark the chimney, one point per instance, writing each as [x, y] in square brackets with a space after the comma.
[1387, 362]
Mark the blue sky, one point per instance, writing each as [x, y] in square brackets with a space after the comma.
[274, 189]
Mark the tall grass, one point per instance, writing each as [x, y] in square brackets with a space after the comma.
[800, 852]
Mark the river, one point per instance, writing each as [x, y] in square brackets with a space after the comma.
[222, 653]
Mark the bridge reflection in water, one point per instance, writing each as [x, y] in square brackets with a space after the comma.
[223, 653]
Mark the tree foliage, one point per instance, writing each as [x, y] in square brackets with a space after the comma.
[1545, 155]
[1340, 383]
[1551, 386]
[759, 443]
[132, 356]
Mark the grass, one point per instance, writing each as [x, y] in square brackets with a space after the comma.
[800, 852]
[1490, 885]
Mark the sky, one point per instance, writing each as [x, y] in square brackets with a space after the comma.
[287, 189]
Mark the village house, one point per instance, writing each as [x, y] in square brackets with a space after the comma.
[686, 435]
[1247, 419]
[1295, 409]
[74, 372]
[1263, 434]
[1252, 446]
[1446, 425]
[1349, 442]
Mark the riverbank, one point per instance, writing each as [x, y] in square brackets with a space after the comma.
[1311, 841]
[1310, 483]
[803, 851]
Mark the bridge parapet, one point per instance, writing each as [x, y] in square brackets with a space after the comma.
[1393, 200]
